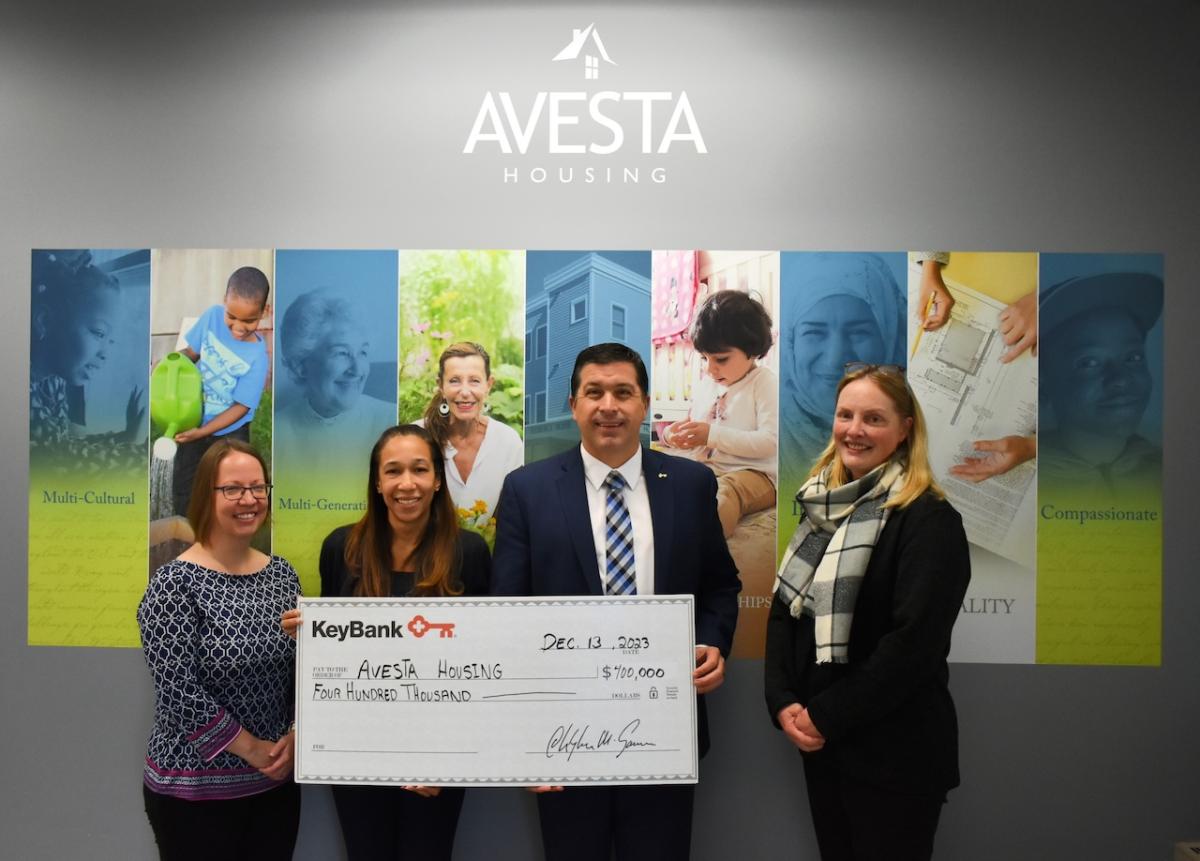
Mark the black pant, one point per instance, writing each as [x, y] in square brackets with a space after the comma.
[382, 823]
[256, 828]
[586, 823]
[856, 821]
[187, 458]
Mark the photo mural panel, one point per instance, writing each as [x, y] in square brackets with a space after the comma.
[972, 365]
[1040, 377]
[715, 400]
[1100, 459]
[210, 351]
[88, 508]
[336, 392]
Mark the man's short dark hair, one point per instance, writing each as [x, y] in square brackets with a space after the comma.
[731, 319]
[608, 354]
[249, 283]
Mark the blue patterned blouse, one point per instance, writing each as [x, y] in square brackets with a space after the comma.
[220, 662]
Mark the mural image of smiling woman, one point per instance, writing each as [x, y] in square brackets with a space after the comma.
[327, 352]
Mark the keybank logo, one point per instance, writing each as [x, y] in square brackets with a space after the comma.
[552, 124]
[356, 629]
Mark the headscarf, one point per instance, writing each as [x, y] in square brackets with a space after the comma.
[806, 280]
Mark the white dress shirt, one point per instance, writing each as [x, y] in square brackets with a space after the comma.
[638, 503]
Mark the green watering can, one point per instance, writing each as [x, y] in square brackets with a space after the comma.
[176, 400]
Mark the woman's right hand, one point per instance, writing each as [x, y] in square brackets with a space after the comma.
[291, 621]
[799, 729]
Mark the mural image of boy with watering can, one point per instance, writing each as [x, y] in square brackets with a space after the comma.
[210, 358]
[234, 364]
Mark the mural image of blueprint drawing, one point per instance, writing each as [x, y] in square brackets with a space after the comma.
[967, 394]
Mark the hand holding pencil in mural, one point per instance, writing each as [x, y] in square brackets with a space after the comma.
[934, 302]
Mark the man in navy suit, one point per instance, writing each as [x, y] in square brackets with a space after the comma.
[551, 540]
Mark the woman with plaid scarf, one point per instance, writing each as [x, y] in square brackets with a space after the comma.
[859, 631]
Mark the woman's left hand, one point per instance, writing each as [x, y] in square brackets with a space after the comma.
[281, 754]
[425, 791]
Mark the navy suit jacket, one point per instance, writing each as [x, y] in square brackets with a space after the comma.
[544, 541]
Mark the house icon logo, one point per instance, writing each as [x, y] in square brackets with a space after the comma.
[586, 41]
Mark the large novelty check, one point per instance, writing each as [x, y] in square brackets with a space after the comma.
[496, 691]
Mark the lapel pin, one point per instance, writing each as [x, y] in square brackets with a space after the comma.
[662, 475]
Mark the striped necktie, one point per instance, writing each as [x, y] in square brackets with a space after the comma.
[618, 539]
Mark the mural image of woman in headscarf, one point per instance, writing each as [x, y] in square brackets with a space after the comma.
[835, 308]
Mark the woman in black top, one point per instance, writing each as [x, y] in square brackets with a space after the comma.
[407, 544]
[859, 630]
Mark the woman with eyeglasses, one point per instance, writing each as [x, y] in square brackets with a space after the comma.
[859, 630]
[407, 544]
[217, 779]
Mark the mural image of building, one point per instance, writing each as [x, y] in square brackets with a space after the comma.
[572, 300]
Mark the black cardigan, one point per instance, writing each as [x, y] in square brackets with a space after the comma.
[886, 715]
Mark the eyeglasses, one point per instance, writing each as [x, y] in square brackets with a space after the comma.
[234, 492]
[867, 367]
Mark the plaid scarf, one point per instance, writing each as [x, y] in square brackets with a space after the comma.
[828, 553]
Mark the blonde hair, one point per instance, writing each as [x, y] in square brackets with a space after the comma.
[918, 476]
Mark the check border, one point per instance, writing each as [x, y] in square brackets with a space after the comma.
[634, 777]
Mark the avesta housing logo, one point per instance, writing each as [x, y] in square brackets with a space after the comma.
[578, 133]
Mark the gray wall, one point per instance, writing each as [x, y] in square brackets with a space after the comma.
[1022, 125]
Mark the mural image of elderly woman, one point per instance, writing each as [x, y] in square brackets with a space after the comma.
[480, 451]
[75, 315]
[844, 308]
[1096, 383]
[329, 420]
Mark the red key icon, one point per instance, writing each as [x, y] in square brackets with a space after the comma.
[420, 626]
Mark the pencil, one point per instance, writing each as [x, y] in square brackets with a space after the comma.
[921, 328]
